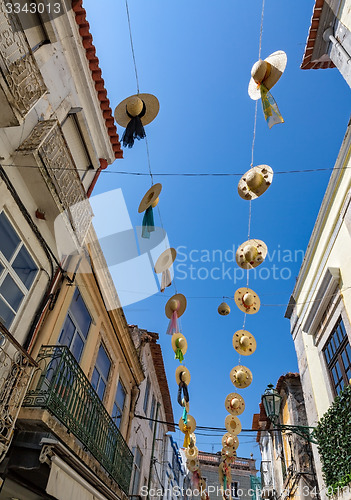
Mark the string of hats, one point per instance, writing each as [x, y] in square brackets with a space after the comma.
[253, 184]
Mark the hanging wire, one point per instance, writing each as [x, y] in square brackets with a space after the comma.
[132, 47]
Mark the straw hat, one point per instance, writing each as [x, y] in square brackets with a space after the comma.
[182, 343]
[191, 424]
[192, 440]
[191, 452]
[241, 376]
[193, 464]
[165, 260]
[255, 182]
[234, 404]
[244, 342]
[247, 300]
[232, 424]
[176, 303]
[223, 309]
[182, 370]
[228, 452]
[230, 441]
[202, 484]
[266, 72]
[251, 254]
[150, 197]
[134, 105]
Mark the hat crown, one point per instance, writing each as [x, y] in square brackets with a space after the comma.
[240, 375]
[248, 299]
[235, 403]
[254, 179]
[155, 203]
[250, 252]
[135, 106]
[230, 441]
[223, 309]
[244, 341]
[174, 304]
[259, 70]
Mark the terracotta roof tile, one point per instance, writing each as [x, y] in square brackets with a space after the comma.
[96, 73]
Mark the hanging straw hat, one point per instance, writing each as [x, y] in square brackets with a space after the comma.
[255, 182]
[193, 464]
[244, 342]
[182, 370]
[251, 254]
[230, 441]
[134, 105]
[191, 452]
[182, 343]
[223, 309]
[228, 452]
[241, 376]
[191, 424]
[150, 197]
[234, 404]
[165, 260]
[176, 303]
[247, 300]
[192, 440]
[232, 424]
[202, 484]
[266, 72]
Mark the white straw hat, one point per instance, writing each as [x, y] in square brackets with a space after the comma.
[134, 105]
[165, 260]
[241, 376]
[266, 72]
[247, 300]
[244, 342]
[230, 441]
[150, 197]
[255, 182]
[251, 254]
[234, 404]
[232, 424]
[184, 372]
[176, 303]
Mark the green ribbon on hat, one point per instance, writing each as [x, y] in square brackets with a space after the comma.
[148, 224]
[179, 352]
[185, 417]
[225, 483]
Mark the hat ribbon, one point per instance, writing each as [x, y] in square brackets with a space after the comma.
[173, 324]
[185, 418]
[186, 430]
[179, 353]
[182, 393]
[148, 224]
[134, 129]
[166, 279]
[270, 108]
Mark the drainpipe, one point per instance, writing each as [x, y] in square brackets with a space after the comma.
[328, 36]
[103, 165]
[152, 451]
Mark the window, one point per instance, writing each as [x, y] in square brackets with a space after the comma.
[137, 469]
[72, 133]
[101, 371]
[235, 486]
[17, 271]
[337, 353]
[76, 326]
[147, 394]
[152, 411]
[118, 407]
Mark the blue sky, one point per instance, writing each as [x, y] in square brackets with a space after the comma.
[196, 58]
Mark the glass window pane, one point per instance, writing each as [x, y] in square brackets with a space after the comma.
[6, 315]
[101, 389]
[9, 240]
[95, 379]
[80, 313]
[342, 329]
[67, 332]
[11, 293]
[327, 356]
[77, 347]
[120, 395]
[25, 267]
[345, 360]
[103, 362]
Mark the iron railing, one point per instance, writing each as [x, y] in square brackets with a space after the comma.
[61, 387]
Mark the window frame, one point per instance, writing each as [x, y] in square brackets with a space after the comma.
[101, 375]
[115, 419]
[336, 359]
[135, 489]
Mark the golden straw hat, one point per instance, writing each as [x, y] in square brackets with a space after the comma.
[185, 375]
[234, 404]
[266, 72]
[255, 182]
[247, 300]
[230, 441]
[134, 105]
[223, 309]
[191, 452]
[165, 260]
[193, 464]
[241, 376]
[191, 424]
[232, 424]
[192, 440]
[228, 452]
[251, 254]
[150, 197]
[183, 345]
[244, 342]
[176, 303]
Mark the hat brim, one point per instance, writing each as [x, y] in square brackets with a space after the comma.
[245, 351]
[232, 424]
[238, 296]
[278, 61]
[191, 423]
[149, 197]
[174, 339]
[235, 439]
[188, 455]
[244, 383]
[186, 377]
[165, 260]
[193, 468]
[152, 107]
[261, 248]
[228, 451]
[182, 305]
[243, 189]
[234, 411]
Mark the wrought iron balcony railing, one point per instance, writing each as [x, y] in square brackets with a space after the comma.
[16, 370]
[60, 386]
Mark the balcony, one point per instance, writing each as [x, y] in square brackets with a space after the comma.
[16, 370]
[60, 386]
[21, 83]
